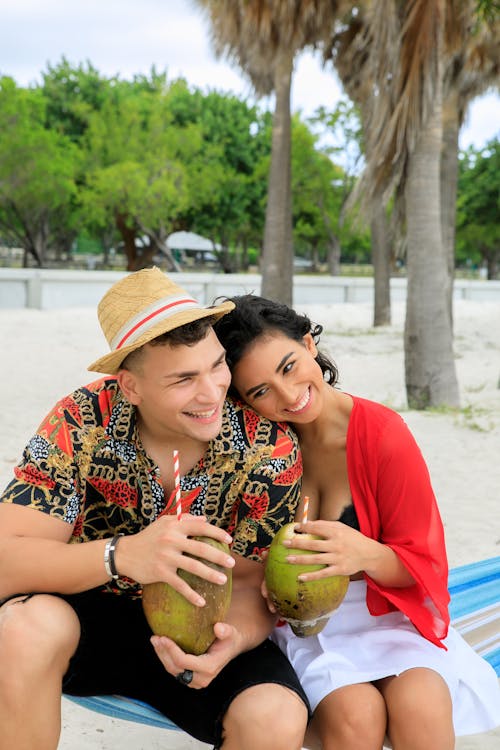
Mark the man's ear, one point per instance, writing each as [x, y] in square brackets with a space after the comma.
[128, 383]
[310, 345]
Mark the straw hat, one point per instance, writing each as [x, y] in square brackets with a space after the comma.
[140, 307]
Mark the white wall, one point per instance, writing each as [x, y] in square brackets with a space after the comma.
[48, 289]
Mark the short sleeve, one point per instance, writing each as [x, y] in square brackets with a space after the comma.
[46, 477]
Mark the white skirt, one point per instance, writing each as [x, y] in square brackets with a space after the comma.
[355, 647]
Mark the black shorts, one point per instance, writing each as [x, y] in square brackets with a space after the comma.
[115, 656]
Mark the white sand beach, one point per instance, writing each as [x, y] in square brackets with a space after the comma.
[45, 354]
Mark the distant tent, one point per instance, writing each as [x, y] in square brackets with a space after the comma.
[191, 246]
[190, 241]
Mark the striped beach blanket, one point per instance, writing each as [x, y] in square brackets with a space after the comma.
[475, 613]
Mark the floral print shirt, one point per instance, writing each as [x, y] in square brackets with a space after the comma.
[86, 466]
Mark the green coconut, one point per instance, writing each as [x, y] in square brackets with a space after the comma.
[305, 605]
[169, 613]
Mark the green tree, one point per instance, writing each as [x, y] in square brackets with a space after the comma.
[38, 168]
[225, 196]
[317, 198]
[73, 93]
[340, 128]
[136, 173]
[478, 207]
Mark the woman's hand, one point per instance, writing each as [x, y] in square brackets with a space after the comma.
[346, 551]
[341, 549]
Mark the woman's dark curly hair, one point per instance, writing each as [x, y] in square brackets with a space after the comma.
[254, 316]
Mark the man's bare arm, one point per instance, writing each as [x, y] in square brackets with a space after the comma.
[35, 555]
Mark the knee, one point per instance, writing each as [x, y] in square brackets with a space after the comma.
[419, 695]
[367, 720]
[352, 717]
[358, 728]
[267, 716]
[419, 705]
[37, 630]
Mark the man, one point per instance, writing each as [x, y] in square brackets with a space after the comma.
[90, 517]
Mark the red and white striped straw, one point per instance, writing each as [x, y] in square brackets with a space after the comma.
[306, 509]
[177, 483]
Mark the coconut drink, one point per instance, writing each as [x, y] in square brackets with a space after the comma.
[305, 605]
[170, 614]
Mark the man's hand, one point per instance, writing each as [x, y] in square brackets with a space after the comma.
[158, 551]
[247, 624]
[206, 667]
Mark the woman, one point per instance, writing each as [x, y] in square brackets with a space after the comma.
[386, 662]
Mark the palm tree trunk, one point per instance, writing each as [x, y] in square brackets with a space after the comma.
[381, 260]
[277, 260]
[429, 364]
[449, 182]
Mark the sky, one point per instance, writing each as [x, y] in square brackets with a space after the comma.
[127, 37]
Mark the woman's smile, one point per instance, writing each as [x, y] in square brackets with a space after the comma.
[280, 378]
[303, 403]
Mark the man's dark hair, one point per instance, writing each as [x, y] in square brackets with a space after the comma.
[187, 335]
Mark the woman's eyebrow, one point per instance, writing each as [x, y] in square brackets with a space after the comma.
[281, 363]
[254, 389]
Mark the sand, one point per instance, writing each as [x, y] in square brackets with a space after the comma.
[45, 354]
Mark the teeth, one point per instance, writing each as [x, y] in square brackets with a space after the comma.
[303, 402]
[202, 414]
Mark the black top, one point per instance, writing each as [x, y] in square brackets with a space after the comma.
[349, 517]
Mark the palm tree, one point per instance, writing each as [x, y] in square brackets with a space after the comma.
[264, 37]
[411, 112]
[347, 51]
[404, 136]
[402, 45]
[472, 65]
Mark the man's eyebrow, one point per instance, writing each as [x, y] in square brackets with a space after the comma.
[193, 373]
[280, 364]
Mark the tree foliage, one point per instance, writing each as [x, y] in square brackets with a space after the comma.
[135, 168]
[128, 162]
[478, 208]
[227, 200]
[38, 169]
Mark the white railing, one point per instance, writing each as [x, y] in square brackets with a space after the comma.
[48, 289]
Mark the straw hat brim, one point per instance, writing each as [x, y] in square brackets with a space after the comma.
[110, 363]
